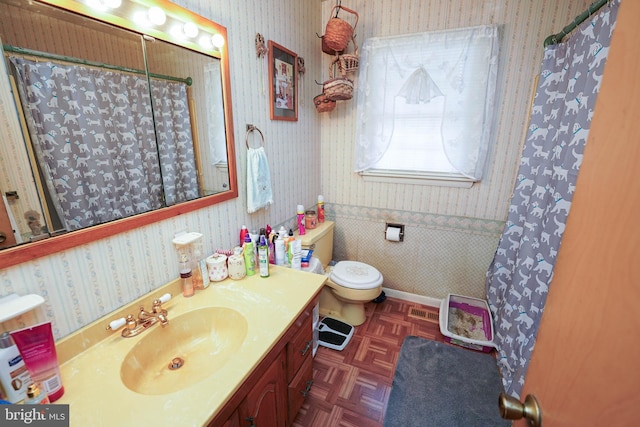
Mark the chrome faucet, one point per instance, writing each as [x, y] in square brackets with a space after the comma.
[134, 326]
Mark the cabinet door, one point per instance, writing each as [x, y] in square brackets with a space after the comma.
[299, 388]
[299, 348]
[266, 403]
[233, 420]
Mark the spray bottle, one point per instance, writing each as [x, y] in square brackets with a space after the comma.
[243, 234]
[320, 209]
[263, 256]
[300, 212]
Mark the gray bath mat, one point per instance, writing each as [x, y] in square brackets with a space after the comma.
[440, 385]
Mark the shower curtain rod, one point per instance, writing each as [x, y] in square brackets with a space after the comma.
[24, 51]
[557, 38]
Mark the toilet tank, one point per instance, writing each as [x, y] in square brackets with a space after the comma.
[320, 240]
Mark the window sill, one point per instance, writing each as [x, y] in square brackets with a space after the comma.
[435, 179]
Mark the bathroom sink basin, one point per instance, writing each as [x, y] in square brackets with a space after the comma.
[190, 348]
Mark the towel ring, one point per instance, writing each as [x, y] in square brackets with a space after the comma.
[251, 128]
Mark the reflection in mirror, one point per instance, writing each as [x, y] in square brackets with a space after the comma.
[204, 108]
[106, 137]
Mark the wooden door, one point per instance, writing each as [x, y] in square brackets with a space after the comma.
[585, 368]
[7, 238]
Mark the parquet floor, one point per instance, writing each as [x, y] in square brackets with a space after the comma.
[351, 387]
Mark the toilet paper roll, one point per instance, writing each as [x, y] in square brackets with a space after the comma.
[392, 234]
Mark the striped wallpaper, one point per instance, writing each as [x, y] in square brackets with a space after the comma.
[451, 233]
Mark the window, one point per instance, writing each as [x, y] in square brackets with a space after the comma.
[425, 104]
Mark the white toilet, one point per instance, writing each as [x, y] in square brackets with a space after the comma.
[350, 284]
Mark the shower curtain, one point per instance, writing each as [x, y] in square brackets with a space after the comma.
[521, 272]
[94, 138]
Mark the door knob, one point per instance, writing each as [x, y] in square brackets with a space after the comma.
[512, 409]
[3, 237]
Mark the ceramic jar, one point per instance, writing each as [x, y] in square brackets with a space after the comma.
[217, 267]
[236, 264]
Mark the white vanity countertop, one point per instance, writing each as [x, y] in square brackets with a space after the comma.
[91, 377]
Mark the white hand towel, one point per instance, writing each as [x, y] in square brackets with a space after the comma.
[259, 193]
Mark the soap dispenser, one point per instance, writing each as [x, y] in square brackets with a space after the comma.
[189, 249]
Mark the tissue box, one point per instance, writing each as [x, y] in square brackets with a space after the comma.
[467, 322]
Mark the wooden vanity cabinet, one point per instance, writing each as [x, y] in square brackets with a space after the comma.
[274, 392]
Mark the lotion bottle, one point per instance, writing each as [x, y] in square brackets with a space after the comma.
[14, 376]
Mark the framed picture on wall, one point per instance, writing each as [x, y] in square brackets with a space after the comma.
[283, 83]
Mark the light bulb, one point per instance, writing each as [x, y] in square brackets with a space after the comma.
[190, 29]
[104, 4]
[217, 40]
[157, 16]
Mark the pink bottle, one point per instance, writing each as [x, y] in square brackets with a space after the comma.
[243, 234]
[301, 229]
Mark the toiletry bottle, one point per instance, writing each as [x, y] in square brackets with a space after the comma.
[288, 247]
[196, 271]
[320, 209]
[243, 234]
[255, 239]
[35, 397]
[249, 257]
[296, 254]
[284, 236]
[280, 254]
[186, 279]
[38, 350]
[272, 247]
[263, 255]
[300, 211]
[14, 376]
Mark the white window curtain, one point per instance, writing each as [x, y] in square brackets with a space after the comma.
[456, 69]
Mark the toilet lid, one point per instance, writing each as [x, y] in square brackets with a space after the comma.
[356, 275]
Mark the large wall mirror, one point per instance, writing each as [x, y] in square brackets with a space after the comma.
[121, 115]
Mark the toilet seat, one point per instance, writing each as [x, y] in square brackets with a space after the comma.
[355, 275]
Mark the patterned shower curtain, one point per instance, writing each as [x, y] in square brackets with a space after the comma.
[521, 272]
[93, 135]
[175, 141]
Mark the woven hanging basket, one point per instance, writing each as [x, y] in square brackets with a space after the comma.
[326, 49]
[339, 32]
[349, 62]
[324, 104]
[338, 88]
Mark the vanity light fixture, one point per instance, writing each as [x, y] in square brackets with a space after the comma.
[159, 18]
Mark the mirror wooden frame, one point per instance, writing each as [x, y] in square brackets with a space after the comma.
[33, 250]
